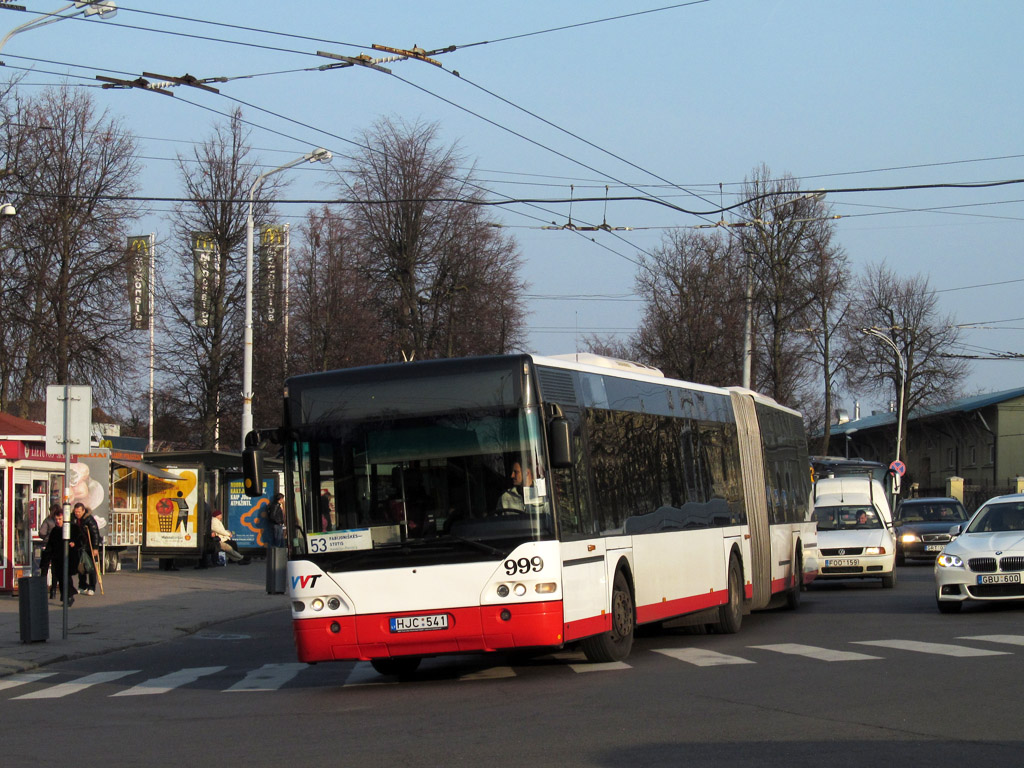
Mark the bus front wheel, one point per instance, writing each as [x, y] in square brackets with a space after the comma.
[614, 645]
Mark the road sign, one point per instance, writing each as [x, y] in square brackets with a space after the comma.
[78, 402]
[898, 467]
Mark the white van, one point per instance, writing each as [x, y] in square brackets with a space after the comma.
[855, 534]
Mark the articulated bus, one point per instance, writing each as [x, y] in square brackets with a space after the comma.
[526, 502]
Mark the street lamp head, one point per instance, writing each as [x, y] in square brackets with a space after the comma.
[105, 9]
[320, 155]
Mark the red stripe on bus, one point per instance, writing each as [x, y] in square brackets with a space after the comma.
[469, 629]
[672, 608]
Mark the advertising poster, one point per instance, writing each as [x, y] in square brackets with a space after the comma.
[171, 518]
[90, 484]
[245, 514]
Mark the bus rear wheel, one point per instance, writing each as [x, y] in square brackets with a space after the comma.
[400, 666]
[614, 645]
[730, 615]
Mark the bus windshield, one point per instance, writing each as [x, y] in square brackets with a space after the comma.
[472, 479]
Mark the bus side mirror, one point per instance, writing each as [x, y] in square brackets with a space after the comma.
[252, 471]
[559, 443]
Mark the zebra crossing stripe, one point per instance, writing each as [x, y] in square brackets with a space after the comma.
[269, 677]
[814, 652]
[1006, 639]
[701, 657]
[15, 680]
[66, 689]
[169, 682]
[941, 649]
[599, 667]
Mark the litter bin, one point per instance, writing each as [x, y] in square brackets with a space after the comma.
[277, 570]
[32, 609]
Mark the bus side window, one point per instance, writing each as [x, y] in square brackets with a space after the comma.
[575, 518]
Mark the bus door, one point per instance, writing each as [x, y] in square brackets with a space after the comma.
[585, 588]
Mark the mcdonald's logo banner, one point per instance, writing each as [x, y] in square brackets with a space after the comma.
[273, 241]
[204, 265]
[139, 257]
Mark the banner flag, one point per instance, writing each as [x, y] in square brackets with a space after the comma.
[272, 245]
[204, 252]
[139, 256]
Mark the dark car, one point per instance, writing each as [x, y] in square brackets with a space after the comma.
[922, 526]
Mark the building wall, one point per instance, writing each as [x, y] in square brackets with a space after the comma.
[1010, 449]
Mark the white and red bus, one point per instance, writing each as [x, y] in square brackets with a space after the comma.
[507, 502]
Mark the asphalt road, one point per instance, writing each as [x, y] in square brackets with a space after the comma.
[858, 676]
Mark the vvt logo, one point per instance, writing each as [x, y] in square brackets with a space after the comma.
[302, 582]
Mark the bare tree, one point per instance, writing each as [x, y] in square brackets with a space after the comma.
[906, 310]
[447, 282]
[65, 257]
[201, 363]
[334, 322]
[692, 328]
[780, 243]
[828, 281]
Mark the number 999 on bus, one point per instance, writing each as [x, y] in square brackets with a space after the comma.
[524, 565]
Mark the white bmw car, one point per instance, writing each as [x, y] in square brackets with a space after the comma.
[986, 560]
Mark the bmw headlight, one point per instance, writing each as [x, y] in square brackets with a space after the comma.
[949, 561]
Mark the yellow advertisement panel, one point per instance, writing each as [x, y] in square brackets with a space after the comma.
[171, 514]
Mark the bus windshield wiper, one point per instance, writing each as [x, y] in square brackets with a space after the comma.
[478, 544]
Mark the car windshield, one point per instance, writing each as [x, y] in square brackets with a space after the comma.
[931, 512]
[846, 518]
[998, 517]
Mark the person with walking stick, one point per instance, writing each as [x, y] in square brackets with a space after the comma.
[88, 571]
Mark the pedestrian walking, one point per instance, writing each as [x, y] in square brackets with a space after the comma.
[89, 556]
[55, 545]
[275, 519]
[45, 529]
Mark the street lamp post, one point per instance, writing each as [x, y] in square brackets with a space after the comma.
[903, 382]
[320, 155]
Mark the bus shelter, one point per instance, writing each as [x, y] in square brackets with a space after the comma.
[176, 522]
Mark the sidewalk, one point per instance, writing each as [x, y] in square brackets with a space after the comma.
[138, 608]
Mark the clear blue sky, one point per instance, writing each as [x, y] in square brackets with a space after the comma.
[856, 93]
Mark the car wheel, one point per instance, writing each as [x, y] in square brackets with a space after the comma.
[614, 645]
[949, 606]
[889, 579]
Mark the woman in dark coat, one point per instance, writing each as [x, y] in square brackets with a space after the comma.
[55, 550]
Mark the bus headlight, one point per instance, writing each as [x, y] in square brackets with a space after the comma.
[298, 606]
[334, 603]
[519, 589]
[317, 604]
[546, 588]
[503, 590]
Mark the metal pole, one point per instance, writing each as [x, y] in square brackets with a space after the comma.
[66, 528]
[317, 155]
[152, 331]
